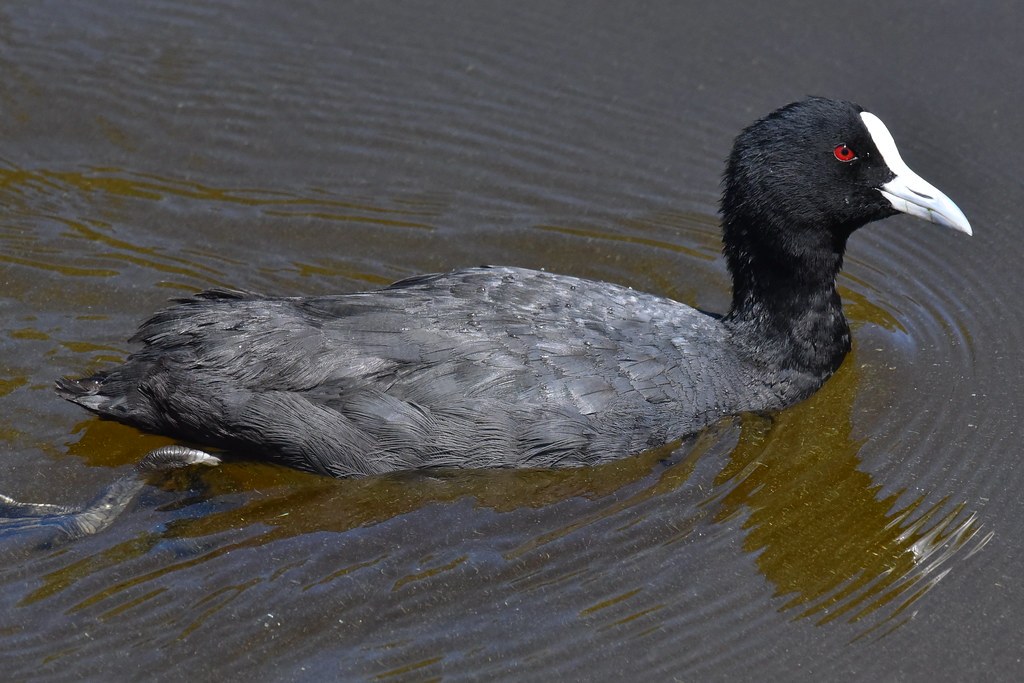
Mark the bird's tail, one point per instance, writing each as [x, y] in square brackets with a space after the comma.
[86, 392]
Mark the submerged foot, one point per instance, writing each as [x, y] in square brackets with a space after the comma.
[66, 523]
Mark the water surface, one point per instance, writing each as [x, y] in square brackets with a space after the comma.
[152, 149]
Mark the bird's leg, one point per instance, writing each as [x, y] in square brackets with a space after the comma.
[69, 523]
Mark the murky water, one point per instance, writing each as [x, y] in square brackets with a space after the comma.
[151, 149]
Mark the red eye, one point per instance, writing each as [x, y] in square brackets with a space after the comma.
[844, 153]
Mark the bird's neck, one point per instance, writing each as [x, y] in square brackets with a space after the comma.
[785, 308]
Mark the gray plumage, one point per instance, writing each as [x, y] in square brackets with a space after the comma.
[415, 375]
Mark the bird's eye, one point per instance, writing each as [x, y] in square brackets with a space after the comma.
[844, 153]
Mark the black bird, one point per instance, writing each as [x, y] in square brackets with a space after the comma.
[506, 367]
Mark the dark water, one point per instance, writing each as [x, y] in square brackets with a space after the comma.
[150, 149]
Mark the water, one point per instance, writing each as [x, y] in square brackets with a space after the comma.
[152, 149]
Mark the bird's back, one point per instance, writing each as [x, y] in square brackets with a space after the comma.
[488, 367]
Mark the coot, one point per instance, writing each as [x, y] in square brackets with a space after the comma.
[507, 367]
